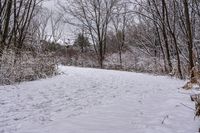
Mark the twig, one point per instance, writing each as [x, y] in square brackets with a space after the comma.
[184, 93]
[165, 119]
[187, 107]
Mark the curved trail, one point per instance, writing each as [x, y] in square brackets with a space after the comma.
[84, 100]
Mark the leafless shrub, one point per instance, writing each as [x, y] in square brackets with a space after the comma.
[25, 68]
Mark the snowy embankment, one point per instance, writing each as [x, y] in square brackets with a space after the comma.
[97, 101]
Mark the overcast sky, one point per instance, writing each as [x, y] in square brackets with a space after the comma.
[69, 31]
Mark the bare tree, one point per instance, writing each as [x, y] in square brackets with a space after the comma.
[171, 26]
[6, 8]
[56, 22]
[42, 22]
[16, 16]
[120, 22]
[95, 16]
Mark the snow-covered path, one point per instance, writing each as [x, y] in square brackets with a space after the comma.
[97, 101]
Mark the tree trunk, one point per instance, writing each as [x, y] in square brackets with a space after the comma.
[189, 36]
[166, 38]
[178, 57]
[172, 32]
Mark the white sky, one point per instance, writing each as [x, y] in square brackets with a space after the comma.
[69, 31]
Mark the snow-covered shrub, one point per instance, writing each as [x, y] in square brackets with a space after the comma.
[26, 67]
[79, 59]
[134, 61]
[194, 82]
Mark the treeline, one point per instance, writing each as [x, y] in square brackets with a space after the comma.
[158, 36]
[175, 28]
[167, 30]
[15, 20]
[21, 30]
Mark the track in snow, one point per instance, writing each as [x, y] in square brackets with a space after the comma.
[84, 100]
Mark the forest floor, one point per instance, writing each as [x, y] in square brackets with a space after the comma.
[84, 100]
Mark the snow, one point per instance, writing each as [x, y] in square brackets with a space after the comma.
[84, 100]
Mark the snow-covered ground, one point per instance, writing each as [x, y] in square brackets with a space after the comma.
[84, 100]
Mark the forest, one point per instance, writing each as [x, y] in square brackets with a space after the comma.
[160, 37]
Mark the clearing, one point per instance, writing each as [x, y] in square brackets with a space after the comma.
[84, 100]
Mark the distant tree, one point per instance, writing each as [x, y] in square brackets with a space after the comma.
[82, 42]
[120, 22]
